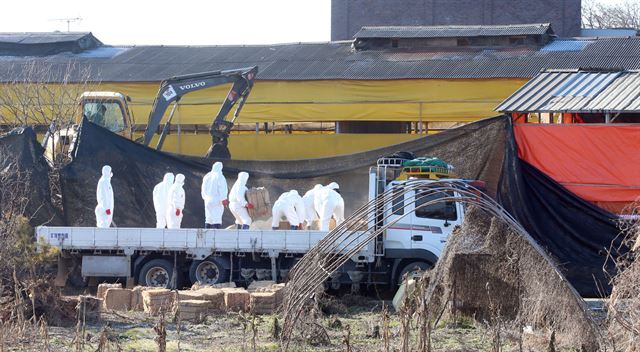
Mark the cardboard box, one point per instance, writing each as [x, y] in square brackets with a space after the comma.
[259, 197]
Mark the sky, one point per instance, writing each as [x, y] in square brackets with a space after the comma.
[178, 22]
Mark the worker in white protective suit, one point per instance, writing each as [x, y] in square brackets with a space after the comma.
[289, 206]
[161, 198]
[311, 214]
[214, 193]
[328, 203]
[238, 202]
[104, 196]
[175, 204]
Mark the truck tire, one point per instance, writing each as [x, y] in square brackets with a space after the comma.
[413, 269]
[157, 273]
[208, 272]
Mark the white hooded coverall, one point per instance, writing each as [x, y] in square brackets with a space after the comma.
[289, 206]
[214, 192]
[329, 202]
[161, 198]
[309, 204]
[237, 201]
[175, 204]
[104, 196]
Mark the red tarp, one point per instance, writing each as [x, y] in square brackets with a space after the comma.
[600, 163]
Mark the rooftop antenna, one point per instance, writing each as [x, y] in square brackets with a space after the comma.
[68, 20]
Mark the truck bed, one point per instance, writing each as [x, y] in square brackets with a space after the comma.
[194, 241]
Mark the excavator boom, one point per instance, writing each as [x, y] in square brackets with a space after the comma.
[172, 89]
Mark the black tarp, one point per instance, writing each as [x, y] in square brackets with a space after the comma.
[575, 232]
[23, 157]
[137, 169]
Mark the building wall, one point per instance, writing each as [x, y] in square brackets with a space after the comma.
[348, 16]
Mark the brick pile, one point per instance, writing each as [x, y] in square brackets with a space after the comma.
[158, 300]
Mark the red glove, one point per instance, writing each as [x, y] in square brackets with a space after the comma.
[177, 212]
[225, 202]
[108, 211]
[250, 206]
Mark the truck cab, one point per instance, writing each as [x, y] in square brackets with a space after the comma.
[415, 233]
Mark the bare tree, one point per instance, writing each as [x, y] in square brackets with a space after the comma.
[597, 14]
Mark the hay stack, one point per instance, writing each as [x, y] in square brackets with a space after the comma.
[236, 299]
[117, 299]
[102, 289]
[193, 310]
[263, 302]
[158, 300]
[492, 273]
[215, 297]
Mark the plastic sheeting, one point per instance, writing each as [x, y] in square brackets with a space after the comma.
[21, 156]
[599, 163]
[137, 169]
[577, 233]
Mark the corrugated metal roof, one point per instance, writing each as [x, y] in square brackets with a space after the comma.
[41, 38]
[318, 61]
[453, 31]
[577, 91]
[566, 45]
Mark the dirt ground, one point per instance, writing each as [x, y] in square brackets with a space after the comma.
[360, 318]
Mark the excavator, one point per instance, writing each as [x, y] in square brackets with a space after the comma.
[111, 110]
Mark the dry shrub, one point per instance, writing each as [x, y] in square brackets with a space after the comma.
[492, 273]
[624, 302]
[25, 291]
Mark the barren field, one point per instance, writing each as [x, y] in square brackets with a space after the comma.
[352, 323]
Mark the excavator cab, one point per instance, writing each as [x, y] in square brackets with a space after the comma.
[109, 110]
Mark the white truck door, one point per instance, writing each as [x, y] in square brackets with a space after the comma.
[432, 224]
[398, 215]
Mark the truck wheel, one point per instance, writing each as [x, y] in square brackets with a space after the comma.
[413, 270]
[208, 272]
[157, 273]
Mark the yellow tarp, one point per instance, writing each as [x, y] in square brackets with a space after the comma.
[461, 100]
[283, 146]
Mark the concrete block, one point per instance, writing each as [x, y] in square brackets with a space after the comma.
[117, 299]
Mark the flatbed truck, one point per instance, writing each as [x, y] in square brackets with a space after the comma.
[175, 257]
